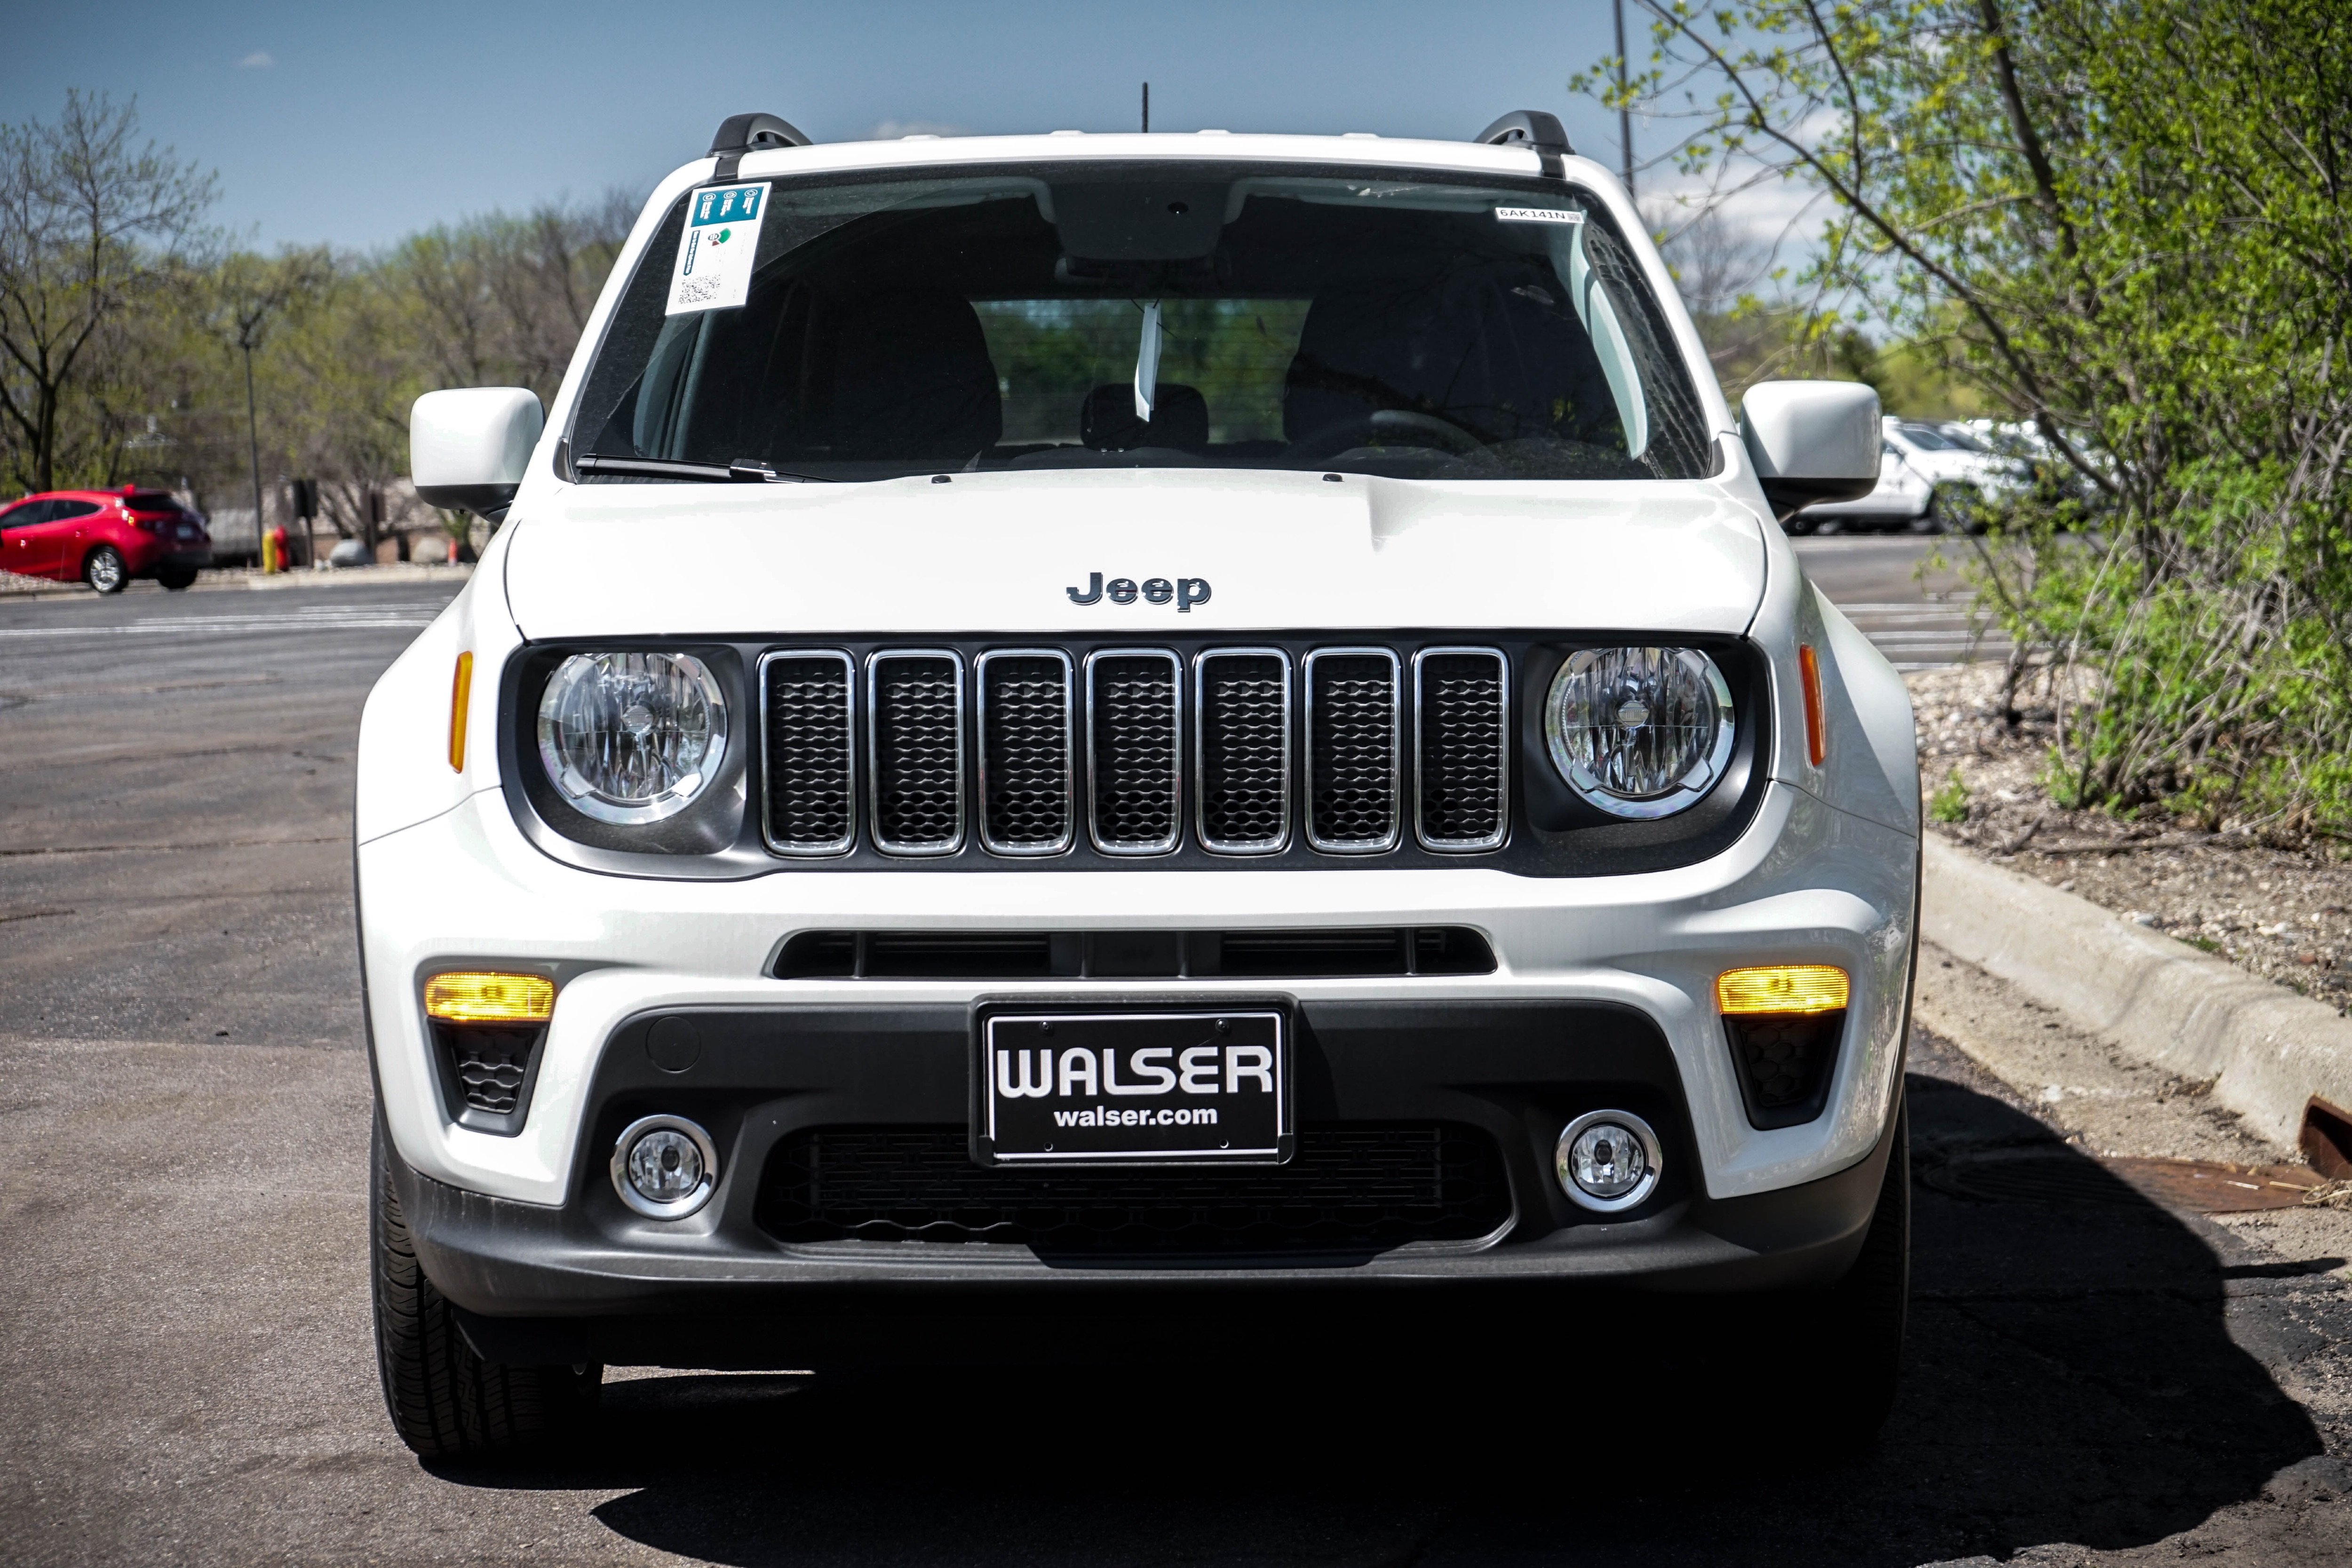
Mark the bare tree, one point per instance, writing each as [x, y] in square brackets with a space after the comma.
[91, 224]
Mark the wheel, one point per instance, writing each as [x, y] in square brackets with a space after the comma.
[104, 570]
[1854, 1330]
[175, 578]
[1931, 516]
[446, 1402]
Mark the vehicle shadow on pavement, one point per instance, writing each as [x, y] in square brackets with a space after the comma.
[2069, 1380]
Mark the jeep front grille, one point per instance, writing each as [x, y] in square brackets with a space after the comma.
[1353, 709]
[812, 741]
[1242, 720]
[915, 716]
[1024, 751]
[1135, 730]
[1462, 716]
[1338, 746]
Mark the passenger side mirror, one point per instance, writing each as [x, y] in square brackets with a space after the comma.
[1811, 441]
[468, 449]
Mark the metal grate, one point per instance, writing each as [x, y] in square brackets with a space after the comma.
[1241, 719]
[812, 746]
[1462, 720]
[1348, 1189]
[490, 1065]
[1328, 728]
[1135, 730]
[914, 714]
[1785, 1064]
[1353, 702]
[1026, 751]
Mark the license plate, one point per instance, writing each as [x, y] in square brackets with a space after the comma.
[1140, 1088]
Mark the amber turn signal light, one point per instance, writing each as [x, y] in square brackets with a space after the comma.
[473, 997]
[1782, 988]
[1817, 740]
[461, 688]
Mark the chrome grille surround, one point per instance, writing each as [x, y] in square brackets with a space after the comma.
[1028, 754]
[1462, 761]
[1135, 756]
[1230, 789]
[1355, 734]
[811, 778]
[914, 724]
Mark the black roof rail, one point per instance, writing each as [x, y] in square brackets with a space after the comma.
[742, 133]
[1532, 128]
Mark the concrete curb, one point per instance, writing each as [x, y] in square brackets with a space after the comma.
[2267, 1049]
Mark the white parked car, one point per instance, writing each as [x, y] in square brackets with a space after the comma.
[1928, 473]
[1063, 727]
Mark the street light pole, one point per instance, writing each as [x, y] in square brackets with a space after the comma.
[252, 426]
[1624, 108]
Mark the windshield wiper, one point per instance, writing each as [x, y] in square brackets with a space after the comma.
[742, 471]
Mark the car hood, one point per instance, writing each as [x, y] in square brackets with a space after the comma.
[1004, 551]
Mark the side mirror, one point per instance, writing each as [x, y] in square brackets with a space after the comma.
[1811, 441]
[468, 449]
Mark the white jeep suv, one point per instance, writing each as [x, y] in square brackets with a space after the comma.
[1062, 725]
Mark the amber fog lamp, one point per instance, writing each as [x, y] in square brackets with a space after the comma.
[1782, 988]
[478, 997]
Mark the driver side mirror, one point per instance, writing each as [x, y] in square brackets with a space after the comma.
[468, 449]
[1811, 441]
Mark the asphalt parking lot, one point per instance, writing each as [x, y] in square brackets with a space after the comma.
[186, 1373]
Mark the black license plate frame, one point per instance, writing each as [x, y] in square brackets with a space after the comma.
[1085, 1114]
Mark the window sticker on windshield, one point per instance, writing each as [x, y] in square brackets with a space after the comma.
[1536, 214]
[723, 236]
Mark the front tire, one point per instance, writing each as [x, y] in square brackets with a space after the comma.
[446, 1402]
[103, 570]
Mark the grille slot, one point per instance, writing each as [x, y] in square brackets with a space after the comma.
[1241, 722]
[1785, 1062]
[486, 1073]
[1026, 751]
[1289, 954]
[812, 746]
[1353, 702]
[1134, 732]
[1462, 716]
[1349, 1189]
[915, 715]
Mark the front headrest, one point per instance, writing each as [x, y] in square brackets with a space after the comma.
[1180, 419]
[913, 378]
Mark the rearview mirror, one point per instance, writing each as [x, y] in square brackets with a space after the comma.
[468, 449]
[1811, 441]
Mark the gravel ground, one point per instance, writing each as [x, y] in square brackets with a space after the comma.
[2283, 912]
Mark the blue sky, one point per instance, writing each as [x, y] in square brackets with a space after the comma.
[358, 124]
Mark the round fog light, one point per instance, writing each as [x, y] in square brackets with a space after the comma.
[665, 1167]
[1608, 1159]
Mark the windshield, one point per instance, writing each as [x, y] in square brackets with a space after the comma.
[1134, 315]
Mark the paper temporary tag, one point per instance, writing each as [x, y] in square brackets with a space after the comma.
[722, 238]
[1533, 214]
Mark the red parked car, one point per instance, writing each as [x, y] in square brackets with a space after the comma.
[105, 538]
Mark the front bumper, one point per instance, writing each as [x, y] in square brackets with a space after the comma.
[584, 1283]
[526, 1223]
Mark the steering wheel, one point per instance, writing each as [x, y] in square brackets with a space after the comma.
[1399, 424]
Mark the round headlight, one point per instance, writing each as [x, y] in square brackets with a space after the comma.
[631, 737]
[1639, 731]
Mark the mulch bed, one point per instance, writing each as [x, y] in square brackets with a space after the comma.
[2283, 912]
